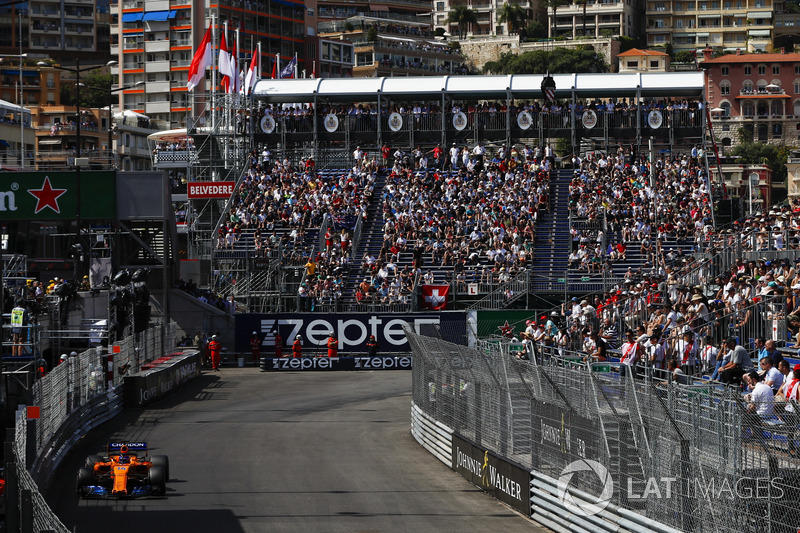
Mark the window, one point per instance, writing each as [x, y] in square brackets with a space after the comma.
[632, 64]
[747, 109]
[748, 70]
[654, 63]
[762, 69]
[725, 90]
[725, 70]
[776, 70]
[439, 6]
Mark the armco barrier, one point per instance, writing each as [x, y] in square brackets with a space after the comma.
[432, 435]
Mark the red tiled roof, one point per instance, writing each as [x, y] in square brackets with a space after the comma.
[638, 52]
[755, 58]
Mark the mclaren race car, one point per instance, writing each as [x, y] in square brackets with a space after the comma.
[127, 471]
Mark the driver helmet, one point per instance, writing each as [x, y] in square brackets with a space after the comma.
[63, 357]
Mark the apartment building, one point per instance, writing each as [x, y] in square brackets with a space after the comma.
[154, 41]
[721, 24]
[488, 15]
[64, 30]
[598, 18]
[757, 92]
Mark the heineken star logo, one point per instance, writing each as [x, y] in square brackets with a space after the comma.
[47, 196]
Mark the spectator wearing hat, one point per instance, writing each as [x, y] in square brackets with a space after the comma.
[255, 347]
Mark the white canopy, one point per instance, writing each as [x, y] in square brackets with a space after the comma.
[519, 86]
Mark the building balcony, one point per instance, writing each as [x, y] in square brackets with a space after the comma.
[157, 66]
[158, 5]
[156, 46]
[157, 107]
[152, 87]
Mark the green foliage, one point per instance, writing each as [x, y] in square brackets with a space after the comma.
[684, 56]
[745, 134]
[514, 16]
[669, 50]
[758, 153]
[627, 43]
[439, 32]
[792, 7]
[463, 16]
[372, 34]
[559, 61]
[348, 26]
[535, 30]
[563, 146]
[554, 5]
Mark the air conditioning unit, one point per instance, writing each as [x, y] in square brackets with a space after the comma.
[82, 162]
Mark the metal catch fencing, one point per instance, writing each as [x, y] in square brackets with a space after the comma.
[690, 457]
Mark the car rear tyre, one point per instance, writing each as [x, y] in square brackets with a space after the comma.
[162, 461]
[158, 480]
[91, 460]
[84, 479]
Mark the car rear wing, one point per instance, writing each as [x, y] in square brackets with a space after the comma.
[133, 447]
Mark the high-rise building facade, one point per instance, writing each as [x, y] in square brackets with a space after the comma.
[721, 24]
[154, 42]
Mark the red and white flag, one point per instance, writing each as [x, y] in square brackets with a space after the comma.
[252, 75]
[225, 62]
[200, 62]
[236, 81]
[435, 296]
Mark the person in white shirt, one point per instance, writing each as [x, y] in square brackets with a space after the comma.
[772, 376]
[686, 352]
[762, 400]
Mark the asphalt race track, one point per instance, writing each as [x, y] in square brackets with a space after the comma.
[296, 452]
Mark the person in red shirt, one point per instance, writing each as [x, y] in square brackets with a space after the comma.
[297, 347]
[214, 348]
[333, 345]
[278, 345]
[255, 347]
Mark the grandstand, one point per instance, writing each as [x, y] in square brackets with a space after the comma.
[454, 148]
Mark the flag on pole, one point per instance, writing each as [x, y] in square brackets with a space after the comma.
[225, 62]
[435, 296]
[250, 79]
[201, 61]
[289, 70]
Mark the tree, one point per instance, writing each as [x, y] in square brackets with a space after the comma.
[774, 157]
[559, 61]
[554, 5]
[685, 56]
[535, 30]
[462, 16]
[95, 93]
[514, 16]
[584, 2]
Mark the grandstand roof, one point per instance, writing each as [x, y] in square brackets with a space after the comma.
[521, 86]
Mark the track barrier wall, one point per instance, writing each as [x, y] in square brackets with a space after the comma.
[606, 451]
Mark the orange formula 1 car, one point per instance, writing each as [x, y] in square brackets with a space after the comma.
[126, 472]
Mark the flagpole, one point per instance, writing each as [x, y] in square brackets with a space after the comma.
[237, 53]
[213, 77]
[295, 65]
[278, 65]
[258, 47]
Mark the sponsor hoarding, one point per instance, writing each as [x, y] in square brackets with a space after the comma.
[506, 481]
[201, 190]
[296, 364]
[351, 329]
[151, 385]
[54, 195]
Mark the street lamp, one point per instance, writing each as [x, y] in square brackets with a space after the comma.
[77, 71]
[109, 90]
